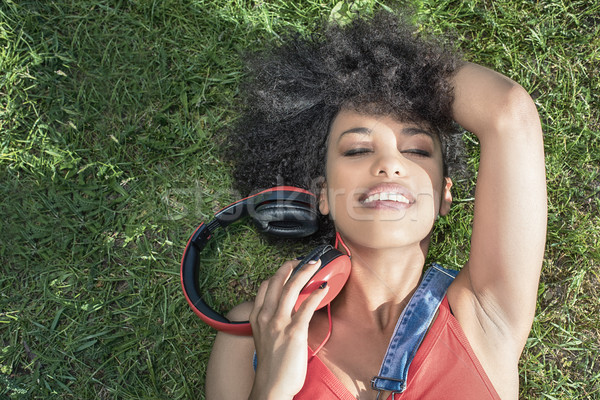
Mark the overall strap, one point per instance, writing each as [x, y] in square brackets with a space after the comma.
[411, 329]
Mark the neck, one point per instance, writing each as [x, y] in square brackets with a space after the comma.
[381, 284]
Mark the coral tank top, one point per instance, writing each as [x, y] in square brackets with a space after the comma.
[444, 367]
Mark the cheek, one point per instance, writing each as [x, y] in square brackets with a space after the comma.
[337, 187]
[436, 176]
[339, 199]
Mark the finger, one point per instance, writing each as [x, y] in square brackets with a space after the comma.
[276, 283]
[259, 300]
[294, 286]
[261, 293]
[307, 309]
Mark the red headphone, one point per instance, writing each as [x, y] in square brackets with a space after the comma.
[283, 211]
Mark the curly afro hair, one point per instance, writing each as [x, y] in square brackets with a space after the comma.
[376, 65]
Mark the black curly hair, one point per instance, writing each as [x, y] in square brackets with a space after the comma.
[377, 65]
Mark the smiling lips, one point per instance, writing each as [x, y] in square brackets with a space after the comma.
[387, 196]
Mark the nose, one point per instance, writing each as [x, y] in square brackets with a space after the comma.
[389, 163]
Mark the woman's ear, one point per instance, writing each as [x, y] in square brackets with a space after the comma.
[446, 197]
[322, 196]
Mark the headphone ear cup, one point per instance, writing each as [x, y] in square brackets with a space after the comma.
[334, 271]
[286, 220]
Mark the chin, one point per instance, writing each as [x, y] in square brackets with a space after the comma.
[385, 234]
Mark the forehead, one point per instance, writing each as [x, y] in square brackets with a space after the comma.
[349, 122]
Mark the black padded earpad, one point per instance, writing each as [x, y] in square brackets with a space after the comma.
[288, 220]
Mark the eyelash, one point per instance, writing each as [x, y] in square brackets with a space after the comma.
[360, 151]
[357, 151]
[417, 152]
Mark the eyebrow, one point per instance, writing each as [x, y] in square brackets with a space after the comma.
[413, 130]
[408, 131]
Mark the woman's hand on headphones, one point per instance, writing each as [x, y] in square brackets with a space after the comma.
[280, 334]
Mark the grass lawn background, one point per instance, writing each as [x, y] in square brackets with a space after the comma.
[112, 126]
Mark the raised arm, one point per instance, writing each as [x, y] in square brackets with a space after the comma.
[509, 225]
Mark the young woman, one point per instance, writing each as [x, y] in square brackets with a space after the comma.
[363, 115]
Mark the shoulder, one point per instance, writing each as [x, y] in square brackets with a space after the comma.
[241, 312]
[231, 361]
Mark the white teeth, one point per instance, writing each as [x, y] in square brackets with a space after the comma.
[387, 196]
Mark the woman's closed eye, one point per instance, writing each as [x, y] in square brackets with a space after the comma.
[357, 151]
[416, 153]
[364, 150]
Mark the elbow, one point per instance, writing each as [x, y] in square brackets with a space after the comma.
[517, 112]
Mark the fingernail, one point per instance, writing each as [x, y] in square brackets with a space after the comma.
[312, 262]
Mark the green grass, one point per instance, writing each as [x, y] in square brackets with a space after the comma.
[112, 126]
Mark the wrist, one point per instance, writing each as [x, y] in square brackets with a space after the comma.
[264, 388]
[258, 394]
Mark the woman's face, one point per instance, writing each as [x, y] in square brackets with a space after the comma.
[384, 180]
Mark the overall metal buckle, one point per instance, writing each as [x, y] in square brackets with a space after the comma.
[379, 391]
